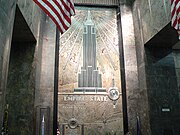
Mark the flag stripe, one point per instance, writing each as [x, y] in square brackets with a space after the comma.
[50, 13]
[56, 14]
[72, 7]
[60, 11]
[64, 2]
[173, 11]
[63, 10]
[175, 15]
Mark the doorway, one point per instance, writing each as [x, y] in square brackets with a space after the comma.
[21, 81]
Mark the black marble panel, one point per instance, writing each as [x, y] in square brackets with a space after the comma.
[162, 88]
[20, 89]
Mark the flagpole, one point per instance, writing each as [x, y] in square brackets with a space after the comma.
[56, 73]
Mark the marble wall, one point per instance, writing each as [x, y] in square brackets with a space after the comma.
[7, 13]
[20, 89]
[130, 66]
[162, 91]
[33, 16]
[146, 18]
[157, 71]
[43, 30]
[149, 16]
[176, 54]
[36, 20]
[44, 94]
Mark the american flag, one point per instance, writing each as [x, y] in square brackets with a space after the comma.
[58, 132]
[60, 11]
[175, 15]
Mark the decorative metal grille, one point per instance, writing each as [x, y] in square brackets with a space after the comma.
[97, 2]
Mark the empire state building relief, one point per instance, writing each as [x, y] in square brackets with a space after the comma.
[89, 55]
[89, 74]
[89, 78]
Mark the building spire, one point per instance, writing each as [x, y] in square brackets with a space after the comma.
[89, 19]
[89, 15]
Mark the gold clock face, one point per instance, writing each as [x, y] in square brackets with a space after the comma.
[113, 93]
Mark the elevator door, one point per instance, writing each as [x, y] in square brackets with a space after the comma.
[89, 75]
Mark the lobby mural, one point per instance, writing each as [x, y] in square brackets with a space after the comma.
[89, 74]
